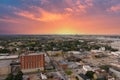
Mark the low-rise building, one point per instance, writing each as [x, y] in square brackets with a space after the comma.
[8, 57]
[117, 53]
[115, 65]
[87, 68]
[82, 77]
[117, 73]
[5, 68]
[72, 65]
[116, 45]
[43, 76]
[63, 64]
[96, 51]
[74, 52]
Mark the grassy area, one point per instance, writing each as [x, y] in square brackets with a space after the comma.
[68, 72]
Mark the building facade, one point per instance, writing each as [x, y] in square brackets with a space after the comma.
[32, 62]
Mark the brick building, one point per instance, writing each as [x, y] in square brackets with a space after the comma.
[32, 62]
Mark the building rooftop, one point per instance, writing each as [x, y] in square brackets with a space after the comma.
[9, 57]
[32, 54]
[74, 52]
[62, 62]
[84, 77]
[87, 68]
[5, 63]
[44, 77]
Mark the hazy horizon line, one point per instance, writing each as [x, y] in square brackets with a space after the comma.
[65, 34]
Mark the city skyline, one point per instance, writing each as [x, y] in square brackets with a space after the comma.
[59, 17]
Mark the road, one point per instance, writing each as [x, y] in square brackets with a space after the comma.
[58, 69]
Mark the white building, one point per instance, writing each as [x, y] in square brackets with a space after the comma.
[116, 65]
[102, 49]
[116, 45]
[96, 51]
[9, 57]
[72, 65]
[44, 77]
[117, 53]
[74, 52]
[87, 68]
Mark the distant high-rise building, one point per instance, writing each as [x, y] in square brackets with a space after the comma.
[32, 62]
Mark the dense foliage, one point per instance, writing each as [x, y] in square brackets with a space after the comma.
[18, 76]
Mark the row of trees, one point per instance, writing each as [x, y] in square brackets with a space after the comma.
[90, 74]
[4, 51]
[18, 76]
[74, 45]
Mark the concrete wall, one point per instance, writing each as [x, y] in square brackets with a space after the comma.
[4, 70]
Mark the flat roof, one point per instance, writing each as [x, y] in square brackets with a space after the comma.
[32, 54]
[87, 67]
[83, 76]
[5, 63]
[9, 57]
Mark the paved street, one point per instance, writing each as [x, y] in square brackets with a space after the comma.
[58, 69]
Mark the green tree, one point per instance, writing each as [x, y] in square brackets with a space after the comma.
[76, 78]
[19, 76]
[68, 72]
[101, 79]
[4, 51]
[90, 74]
[105, 67]
[10, 77]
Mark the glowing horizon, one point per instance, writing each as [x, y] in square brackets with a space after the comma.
[60, 17]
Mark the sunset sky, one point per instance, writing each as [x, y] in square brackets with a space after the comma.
[60, 17]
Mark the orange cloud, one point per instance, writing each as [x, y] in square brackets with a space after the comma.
[69, 9]
[89, 2]
[79, 7]
[45, 16]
